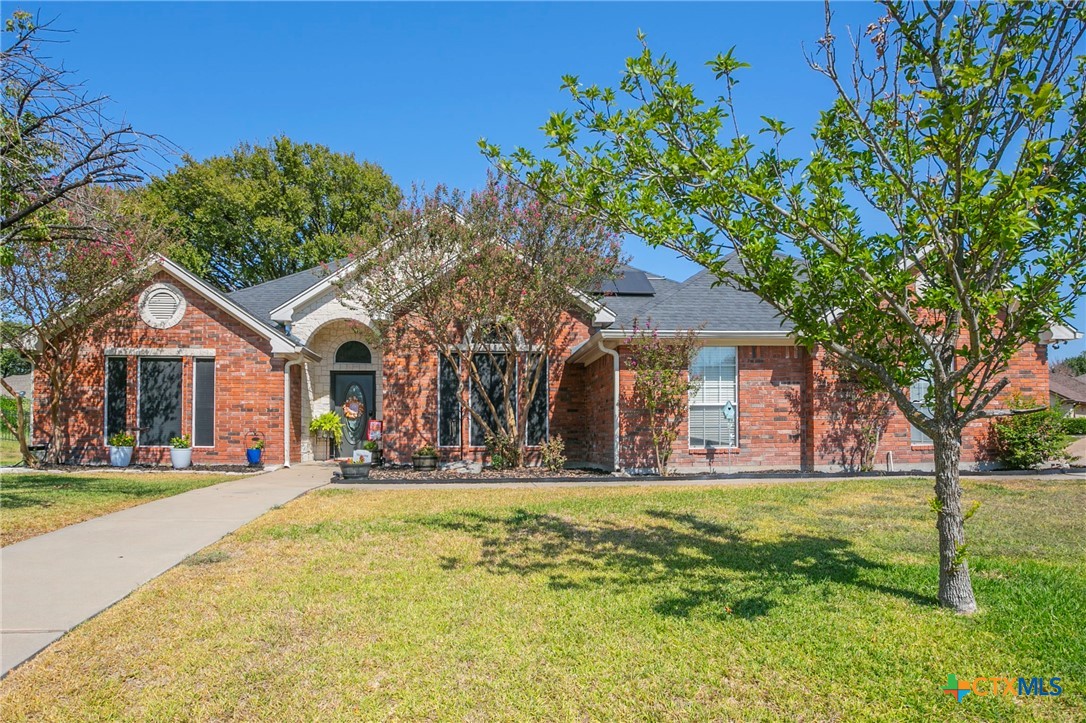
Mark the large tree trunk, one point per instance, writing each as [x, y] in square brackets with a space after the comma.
[955, 587]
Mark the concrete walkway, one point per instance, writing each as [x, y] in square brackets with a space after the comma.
[55, 581]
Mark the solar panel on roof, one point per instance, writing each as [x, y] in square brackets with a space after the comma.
[630, 282]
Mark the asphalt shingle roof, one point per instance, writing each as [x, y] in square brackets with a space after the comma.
[1068, 387]
[262, 299]
[672, 305]
[696, 303]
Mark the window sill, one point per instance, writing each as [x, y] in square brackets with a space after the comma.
[703, 451]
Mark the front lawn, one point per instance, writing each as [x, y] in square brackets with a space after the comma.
[780, 602]
[9, 453]
[32, 503]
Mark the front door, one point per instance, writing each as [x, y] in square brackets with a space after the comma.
[354, 399]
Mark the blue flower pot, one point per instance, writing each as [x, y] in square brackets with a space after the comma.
[254, 455]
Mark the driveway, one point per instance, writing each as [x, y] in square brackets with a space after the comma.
[55, 581]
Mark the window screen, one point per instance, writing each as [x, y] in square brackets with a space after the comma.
[536, 432]
[116, 395]
[203, 420]
[491, 370]
[717, 369]
[160, 401]
[448, 402]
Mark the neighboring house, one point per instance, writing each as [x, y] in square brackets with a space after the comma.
[23, 384]
[181, 357]
[1067, 393]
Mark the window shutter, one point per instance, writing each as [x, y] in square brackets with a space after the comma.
[203, 425]
[116, 395]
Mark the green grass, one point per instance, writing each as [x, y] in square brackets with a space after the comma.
[9, 453]
[784, 602]
[32, 503]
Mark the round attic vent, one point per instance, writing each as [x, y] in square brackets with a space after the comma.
[161, 306]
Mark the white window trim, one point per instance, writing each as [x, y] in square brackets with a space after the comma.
[914, 431]
[690, 405]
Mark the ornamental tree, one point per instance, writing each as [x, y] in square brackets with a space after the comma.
[662, 383]
[54, 293]
[266, 211]
[55, 139]
[953, 154]
[480, 280]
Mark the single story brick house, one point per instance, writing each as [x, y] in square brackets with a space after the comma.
[182, 357]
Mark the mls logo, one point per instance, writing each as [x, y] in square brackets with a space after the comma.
[956, 689]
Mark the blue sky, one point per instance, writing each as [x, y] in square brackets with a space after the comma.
[413, 86]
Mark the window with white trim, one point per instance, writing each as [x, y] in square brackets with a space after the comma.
[918, 393]
[718, 370]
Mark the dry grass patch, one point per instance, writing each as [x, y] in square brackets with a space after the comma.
[810, 602]
[33, 503]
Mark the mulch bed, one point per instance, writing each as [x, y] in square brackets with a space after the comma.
[383, 474]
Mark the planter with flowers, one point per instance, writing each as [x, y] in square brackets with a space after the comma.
[121, 445]
[181, 452]
[351, 470]
[255, 453]
[425, 459]
[374, 449]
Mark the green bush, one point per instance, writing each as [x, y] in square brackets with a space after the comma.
[122, 439]
[553, 452]
[1075, 426]
[1025, 441]
[504, 451]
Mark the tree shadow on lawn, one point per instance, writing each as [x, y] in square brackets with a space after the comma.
[30, 490]
[705, 568]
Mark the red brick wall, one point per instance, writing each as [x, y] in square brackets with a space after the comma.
[599, 417]
[248, 384]
[411, 405]
[794, 414]
[771, 383]
[1027, 374]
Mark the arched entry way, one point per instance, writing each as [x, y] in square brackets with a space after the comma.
[350, 366]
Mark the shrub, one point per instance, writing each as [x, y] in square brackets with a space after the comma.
[182, 442]
[329, 424]
[427, 450]
[553, 452]
[1027, 440]
[1075, 426]
[122, 439]
[504, 450]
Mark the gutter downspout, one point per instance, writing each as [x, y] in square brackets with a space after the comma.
[614, 410]
[286, 406]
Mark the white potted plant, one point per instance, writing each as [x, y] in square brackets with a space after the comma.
[181, 452]
[120, 449]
